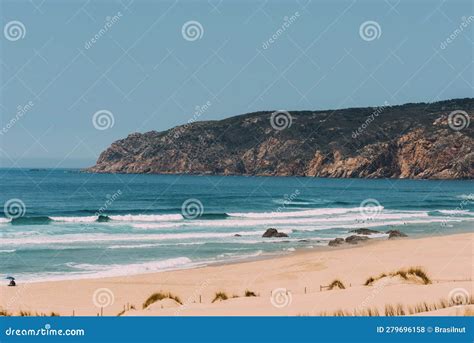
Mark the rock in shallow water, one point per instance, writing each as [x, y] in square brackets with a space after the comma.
[395, 234]
[364, 231]
[273, 233]
[336, 242]
[356, 239]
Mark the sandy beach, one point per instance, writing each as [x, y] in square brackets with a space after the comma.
[289, 285]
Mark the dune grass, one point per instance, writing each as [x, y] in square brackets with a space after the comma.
[405, 274]
[391, 310]
[4, 313]
[336, 284]
[160, 296]
[219, 296]
[250, 293]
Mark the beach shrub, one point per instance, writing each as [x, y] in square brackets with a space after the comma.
[336, 284]
[250, 293]
[160, 296]
[220, 296]
[369, 281]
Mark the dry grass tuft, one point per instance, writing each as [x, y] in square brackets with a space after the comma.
[336, 284]
[400, 310]
[405, 274]
[250, 293]
[160, 296]
[4, 313]
[220, 296]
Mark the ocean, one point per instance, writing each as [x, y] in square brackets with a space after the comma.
[64, 224]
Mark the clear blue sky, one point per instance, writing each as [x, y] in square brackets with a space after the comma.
[149, 77]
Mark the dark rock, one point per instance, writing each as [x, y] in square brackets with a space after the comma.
[237, 235]
[356, 239]
[335, 242]
[395, 234]
[103, 218]
[281, 234]
[364, 231]
[273, 233]
[303, 241]
[417, 143]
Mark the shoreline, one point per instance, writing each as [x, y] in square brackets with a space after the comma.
[446, 259]
[262, 257]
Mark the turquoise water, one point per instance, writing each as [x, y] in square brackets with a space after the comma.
[144, 228]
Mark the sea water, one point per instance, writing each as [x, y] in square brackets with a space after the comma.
[75, 225]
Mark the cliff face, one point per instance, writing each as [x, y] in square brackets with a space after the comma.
[407, 141]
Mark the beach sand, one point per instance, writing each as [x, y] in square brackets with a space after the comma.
[294, 280]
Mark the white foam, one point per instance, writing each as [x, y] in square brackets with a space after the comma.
[87, 238]
[4, 220]
[157, 225]
[306, 213]
[151, 245]
[466, 196]
[454, 211]
[147, 217]
[379, 224]
[336, 221]
[238, 255]
[86, 219]
[99, 270]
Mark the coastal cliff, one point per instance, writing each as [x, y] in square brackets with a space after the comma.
[419, 141]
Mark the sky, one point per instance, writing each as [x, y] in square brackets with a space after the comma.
[78, 75]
